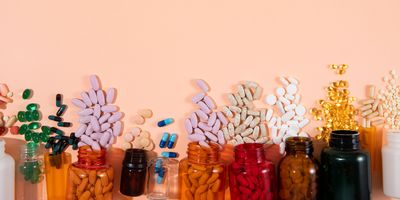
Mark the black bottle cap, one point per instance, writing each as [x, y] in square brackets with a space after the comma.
[345, 140]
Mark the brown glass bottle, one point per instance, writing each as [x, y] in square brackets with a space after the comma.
[133, 176]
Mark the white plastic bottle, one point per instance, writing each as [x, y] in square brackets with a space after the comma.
[391, 164]
[7, 174]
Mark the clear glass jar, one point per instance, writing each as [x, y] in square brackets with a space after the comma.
[202, 174]
[133, 175]
[56, 170]
[251, 175]
[298, 171]
[162, 181]
[391, 164]
[345, 169]
[31, 172]
[90, 177]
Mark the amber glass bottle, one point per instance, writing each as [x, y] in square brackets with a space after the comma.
[202, 175]
[90, 177]
[56, 170]
[133, 176]
[298, 171]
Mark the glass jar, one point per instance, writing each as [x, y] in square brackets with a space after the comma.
[391, 164]
[202, 175]
[7, 174]
[31, 172]
[90, 177]
[251, 175]
[133, 175]
[56, 170]
[298, 170]
[345, 169]
[162, 181]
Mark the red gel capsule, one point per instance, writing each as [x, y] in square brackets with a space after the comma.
[14, 130]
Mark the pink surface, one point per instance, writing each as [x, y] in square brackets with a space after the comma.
[151, 50]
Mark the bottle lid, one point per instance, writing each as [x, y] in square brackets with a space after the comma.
[135, 158]
[345, 140]
[302, 144]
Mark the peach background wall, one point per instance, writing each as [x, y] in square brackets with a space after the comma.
[151, 50]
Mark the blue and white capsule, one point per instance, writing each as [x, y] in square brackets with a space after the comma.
[165, 122]
[164, 140]
[172, 140]
[167, 154]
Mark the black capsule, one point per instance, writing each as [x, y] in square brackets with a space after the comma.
[64, 124]
[55, 118]
[61, 110]
[58, 100]
[59, 132]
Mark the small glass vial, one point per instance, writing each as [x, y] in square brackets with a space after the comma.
[345, 169]
[202, 174]
[31, 171]
[56, 169]
[133, 175]
[90, 177]
[162, 181]
[7, 174]
[298, 170]
[251, 175]
[391, 164]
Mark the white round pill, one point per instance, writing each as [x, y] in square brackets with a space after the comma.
[291, 89]
[270, 99]
[300, 110]
[280, 91]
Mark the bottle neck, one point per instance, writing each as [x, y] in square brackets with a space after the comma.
[345, 140]
[250, 153]
[203, 155]
[299, 145]
[30, 151]
[393, 138]
[135, 158]
[89, 158]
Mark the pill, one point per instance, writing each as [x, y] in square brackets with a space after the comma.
[216, 127]
[284, 100]
[198, 97]
[61, 110]
[209, 102]
[64, 124]
[81, 130]
[165, 122]
[204, 126]
[248, 94]
[115, 117]
[95, 124]
[202, 115]
[194, 120]
[26, 94]
[188, 126]
[222, 118]
[253, 113]
[291, 89]
[202, 85]
[105, 126]
[280, 91]
[116, 130]
[137, 119]
[85, 112]
[94, 81]
[269, 114]
[272, 122]
[220, 135]
[197, 137]
[11, 121]
[86, 99]
[167, 154]
[146, 113]
[172, 141]
[240, 90]
[79, 103]
[232, 99]
[109, 108]
[3, 89]
[110, 95]
[300, 110]
[204, 107]
[128, 137]
[211, 136]
[290, 107]
[251, 84]
[104, 117]
[105, 138]
[238, 99]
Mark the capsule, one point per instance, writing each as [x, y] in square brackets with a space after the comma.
[172, 140]
[164, 140]
[32, 106]
[21, 116]
[55, 118]
[34, 125]
[61, 110]
[56, 131]
[46, 130]
[167, 154]
[165, 122]
[35, 115]
[27, 94]
[64, 124]
[160, 176]
[58, 100]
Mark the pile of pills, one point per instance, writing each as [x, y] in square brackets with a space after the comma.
[288, 119]
[31, 168]
[247, 124]
[204, 125]
[138, 138]
[339, 69]
[371, 109]
[391, 101]
[337, 111]
[100, 122]
[6, 121]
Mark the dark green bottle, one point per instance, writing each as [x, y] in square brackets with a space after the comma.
[345, 172]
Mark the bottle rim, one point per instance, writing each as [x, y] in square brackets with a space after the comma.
[203, 155]
[250, 152]
[135, 158]
[345, 139]
[299, 144]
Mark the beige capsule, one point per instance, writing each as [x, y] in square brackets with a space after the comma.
[11, 121]
[240, 90]
[258, 93]
[232, 99]
[238, 99]
[146, 113]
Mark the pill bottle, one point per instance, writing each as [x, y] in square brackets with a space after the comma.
[56, 170]
[298, 170]
[345, 169]
[7, 174]
[162, 180]
[391, 164]
[251, 175]
[202, 174]
[370, 140]
[90, 177]
[133, 175]
[31, 171]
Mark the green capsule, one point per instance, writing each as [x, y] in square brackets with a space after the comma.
[56, 131]
[27, 94]
[28, 135]
[64, 124]
[44, 137]
[21, 116]
[35, 137]
[28, 116]
[35, 115]
[34, 125]
[61, 110]
[32, 106]
[58, 100]
[46, 130]
[22, 130]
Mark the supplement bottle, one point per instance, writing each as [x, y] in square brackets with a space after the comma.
[56, 170]
[133, 175]
[7, 174]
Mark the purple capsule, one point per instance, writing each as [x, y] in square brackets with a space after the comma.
[104, 118]
[211, 136]
[89, 130]
[196, 137]
[101, 98]
[109, 108]
[85, 119]
[79, 103]
[222, 118]
[81, 130]
[188, 126]
[96, 136]
[115, 117]
[204, 107]
[204, 126]
[94, 81]
[193, 120]
[198, 97]
[202, 85]
[97, 111]
[85, 112]
[95, 124]
[211, 119]
[93, 96]
[86, 99]
[209, 102]
[216, 126]
[105, 126]
[104, 139]
[198, 131]
[202, 115]
[117, 128]
[110, 96]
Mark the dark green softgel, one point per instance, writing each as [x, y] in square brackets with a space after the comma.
[32, 107]
[27, 94]
[22, 130]
[28, 116]
[34, 125]
[21, 116]
[44, 137]
[35, 138]
[35, 115]
[28, 135]
[46, 130]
